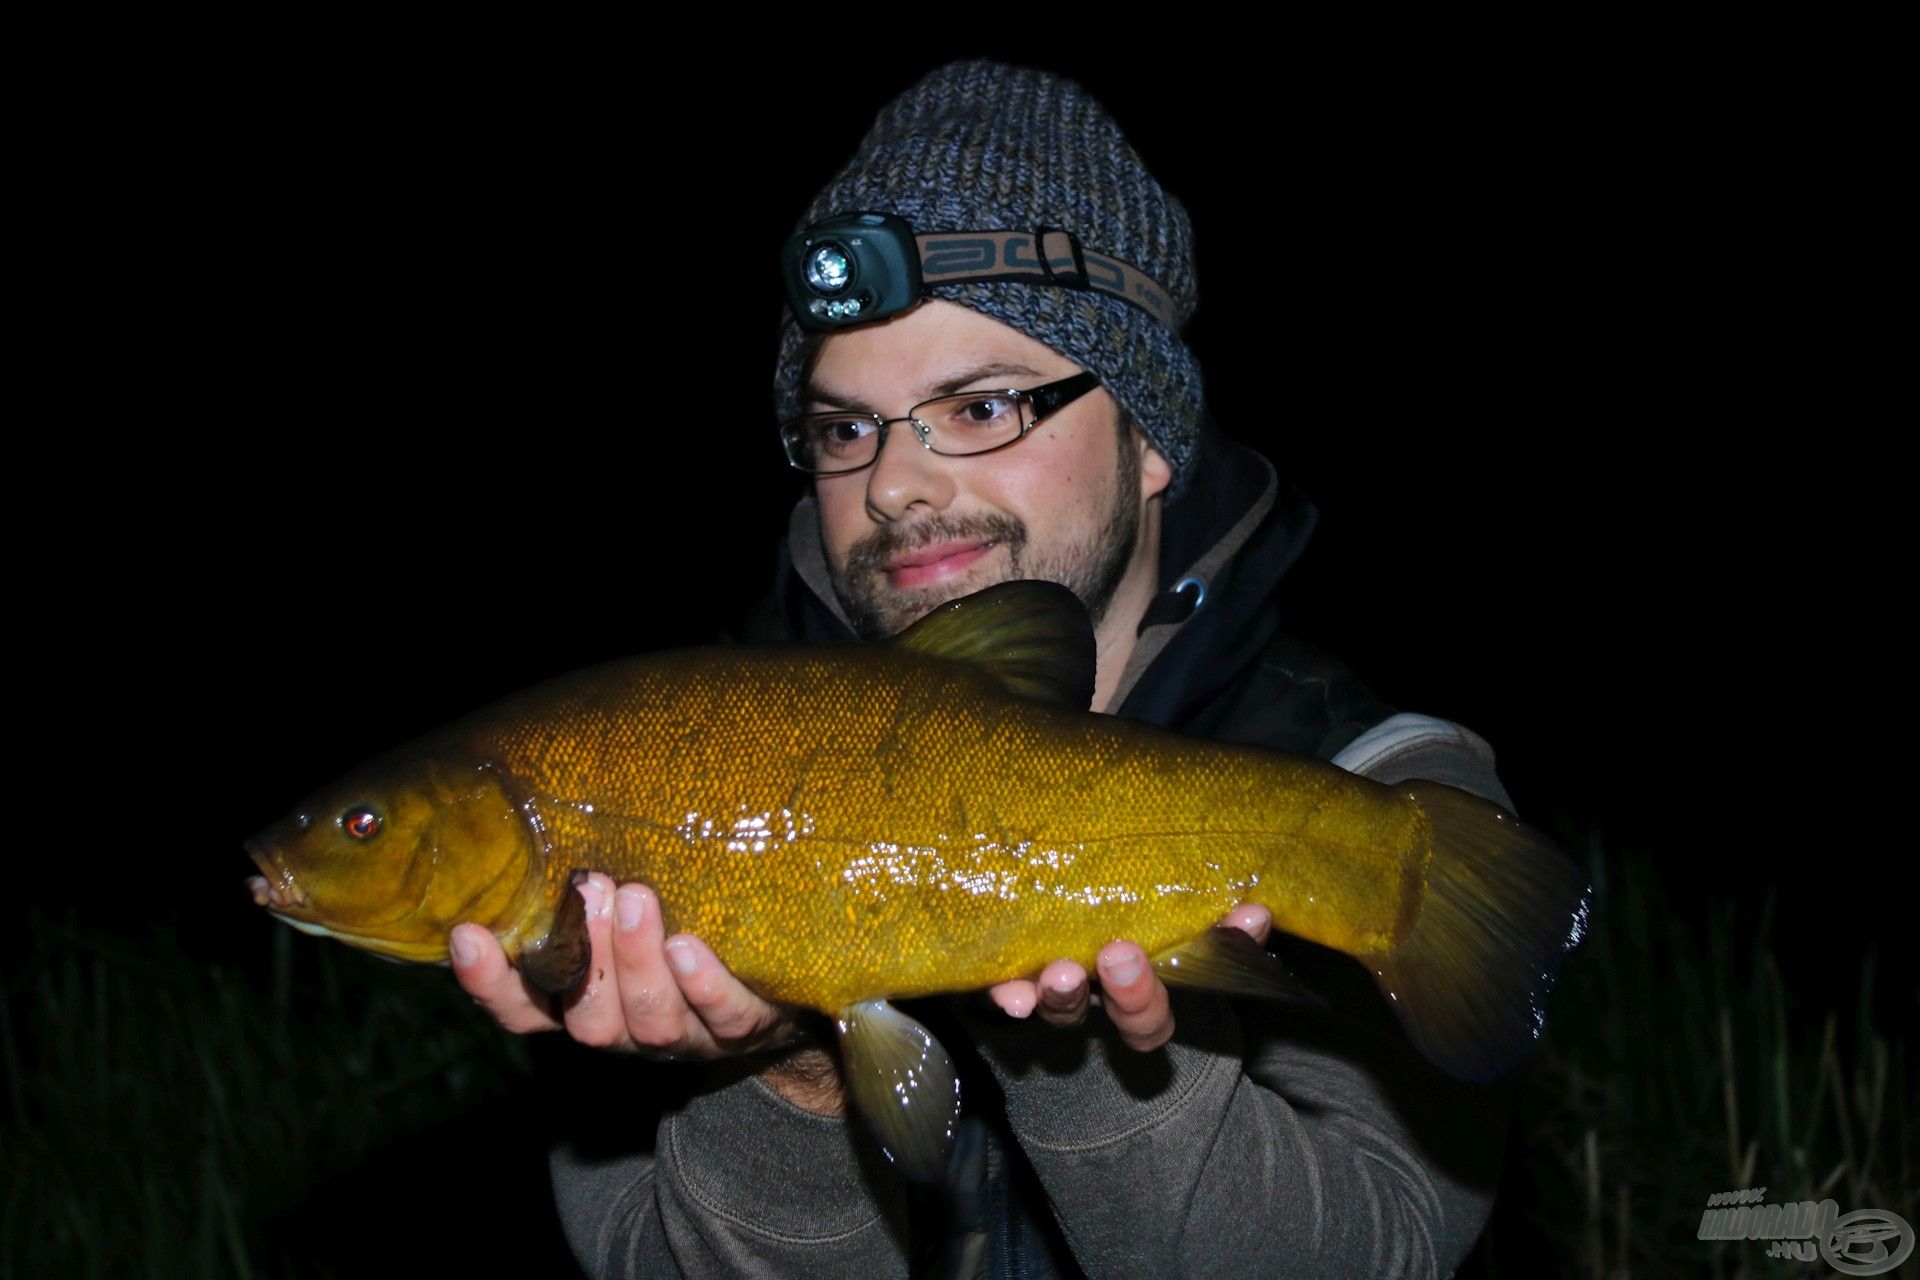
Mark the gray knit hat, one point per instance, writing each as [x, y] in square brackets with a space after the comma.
[981, 145]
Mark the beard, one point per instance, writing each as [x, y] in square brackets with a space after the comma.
[1091, 569]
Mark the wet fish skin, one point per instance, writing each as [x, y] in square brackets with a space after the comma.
[875, 825]
[850, 826]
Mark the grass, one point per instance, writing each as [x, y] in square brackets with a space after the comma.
[1681, 1062]
[167, 1117]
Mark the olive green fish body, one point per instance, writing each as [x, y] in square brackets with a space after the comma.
[847, 826]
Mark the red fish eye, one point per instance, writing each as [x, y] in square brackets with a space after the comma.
[361, 823]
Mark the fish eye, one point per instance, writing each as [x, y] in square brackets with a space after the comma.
[360, 822]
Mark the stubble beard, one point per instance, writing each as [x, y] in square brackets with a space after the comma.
[1092, 570]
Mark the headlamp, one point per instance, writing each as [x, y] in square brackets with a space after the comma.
[851, 269]
[855, 268]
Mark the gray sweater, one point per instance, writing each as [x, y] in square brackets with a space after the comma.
[1260, 1142]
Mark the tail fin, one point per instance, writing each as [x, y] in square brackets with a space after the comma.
[1502, 908]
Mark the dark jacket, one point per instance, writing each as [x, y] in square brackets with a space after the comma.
[1257, 1143]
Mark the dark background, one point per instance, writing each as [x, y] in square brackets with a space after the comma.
[1567, 354]
[446, 376]
[398, 373]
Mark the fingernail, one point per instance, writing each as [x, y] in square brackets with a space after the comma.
[1062, 983]
[680, 956]
[1124, 971]
[463, 948]
[590, 891]
[628, 906]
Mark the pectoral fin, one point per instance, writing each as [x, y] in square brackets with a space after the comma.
[1229, 961]
[905, 1085]
[558, 961]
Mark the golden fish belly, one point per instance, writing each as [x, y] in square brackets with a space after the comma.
[838, 837]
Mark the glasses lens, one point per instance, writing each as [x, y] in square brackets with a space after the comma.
[972, 421]
[830, 442]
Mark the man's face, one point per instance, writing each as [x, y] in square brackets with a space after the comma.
[916, 528]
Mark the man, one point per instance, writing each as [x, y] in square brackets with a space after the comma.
[1255, 1143]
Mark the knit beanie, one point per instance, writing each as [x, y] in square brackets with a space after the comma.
[981, 145]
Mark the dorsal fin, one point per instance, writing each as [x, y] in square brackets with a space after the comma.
[1033, 637]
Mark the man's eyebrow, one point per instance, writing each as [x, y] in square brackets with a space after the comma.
[815, 392]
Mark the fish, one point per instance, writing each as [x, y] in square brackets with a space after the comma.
[849, 826]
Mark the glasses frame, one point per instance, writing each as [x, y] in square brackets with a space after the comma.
[1040, 403]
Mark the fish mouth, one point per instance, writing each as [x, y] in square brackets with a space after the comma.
[274, 890]
[287, 902]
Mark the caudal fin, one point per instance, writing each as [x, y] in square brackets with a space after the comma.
[1502, 908]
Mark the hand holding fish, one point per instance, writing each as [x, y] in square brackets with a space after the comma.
[1134, 998]
[644, 993]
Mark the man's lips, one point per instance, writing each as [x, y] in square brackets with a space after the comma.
[935, 563]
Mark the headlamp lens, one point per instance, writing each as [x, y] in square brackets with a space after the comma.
[828, 269]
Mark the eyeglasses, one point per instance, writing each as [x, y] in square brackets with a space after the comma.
[826, 444]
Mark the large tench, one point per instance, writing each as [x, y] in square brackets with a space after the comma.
[852, 825]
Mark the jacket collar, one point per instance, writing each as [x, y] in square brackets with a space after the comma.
[807, 556]
[1227, 538]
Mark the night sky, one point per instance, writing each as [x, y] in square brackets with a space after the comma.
[1556, 360]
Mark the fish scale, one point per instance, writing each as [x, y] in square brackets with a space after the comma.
[1174, 848]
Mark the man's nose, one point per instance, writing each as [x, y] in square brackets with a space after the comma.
[906, 474]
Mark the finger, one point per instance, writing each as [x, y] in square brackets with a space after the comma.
[721, 1003]
[1251, 917]
[1063, 993]
[593, 1014]
[481, 968]
[1017, 998]
[655, 1013]
[1135, 998]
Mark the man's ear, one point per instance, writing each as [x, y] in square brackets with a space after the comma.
[1156, 473]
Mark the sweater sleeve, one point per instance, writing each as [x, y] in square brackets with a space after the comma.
[738, 1183]
[1268, 1141]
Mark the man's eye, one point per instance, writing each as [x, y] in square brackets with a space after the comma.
[843, 435]
[988, 411]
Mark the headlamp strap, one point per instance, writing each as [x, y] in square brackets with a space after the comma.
[961, 257]
[1053, 242]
